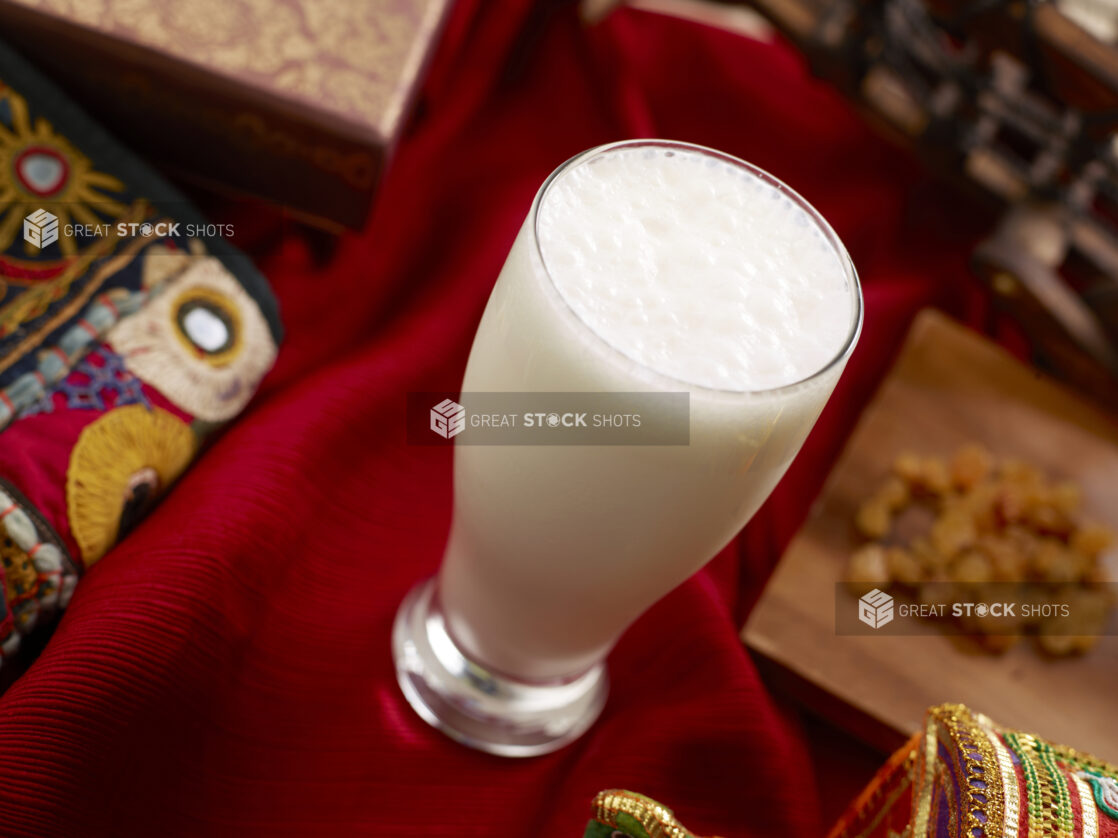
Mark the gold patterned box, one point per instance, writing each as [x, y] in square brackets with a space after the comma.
[298, 102]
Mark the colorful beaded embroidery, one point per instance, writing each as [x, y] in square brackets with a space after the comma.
[1105, 791]
[38, 575]
[124, 341]
[98, 382]
[966, 777]
[64, 294]
[626, 814]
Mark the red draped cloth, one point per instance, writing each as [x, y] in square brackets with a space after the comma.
[226, 670]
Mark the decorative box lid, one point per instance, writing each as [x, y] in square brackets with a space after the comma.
[353, 61]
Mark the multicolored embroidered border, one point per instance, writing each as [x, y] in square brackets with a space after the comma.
[965, 777]
[54, 158]
[126, 336]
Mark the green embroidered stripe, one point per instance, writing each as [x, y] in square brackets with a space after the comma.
[1032, 783]
[1066, 818]
[1049, 799]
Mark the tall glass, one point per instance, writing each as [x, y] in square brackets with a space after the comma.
[555, 550]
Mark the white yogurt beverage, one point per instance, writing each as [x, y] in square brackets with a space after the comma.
[642, 267]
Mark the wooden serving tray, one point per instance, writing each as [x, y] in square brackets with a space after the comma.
[949, 387]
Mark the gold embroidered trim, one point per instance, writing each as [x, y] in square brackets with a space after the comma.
[990, 763]
[886, 807]
[1049, 800]
[981, 797]
[1084, 760]
[105, 271]
[1058, 785]
[1011, 794]
[892, 781]
[658, 821]
[925, 774]
[1090, 814]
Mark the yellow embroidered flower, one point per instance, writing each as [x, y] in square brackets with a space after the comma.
[120, 465]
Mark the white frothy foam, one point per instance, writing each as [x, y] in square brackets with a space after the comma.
[695, 268]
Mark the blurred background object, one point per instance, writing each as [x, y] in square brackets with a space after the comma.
[949, 387]
[1017, 103]
[270, 99]
[1099, 17]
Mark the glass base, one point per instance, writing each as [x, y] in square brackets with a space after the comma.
[478, 708]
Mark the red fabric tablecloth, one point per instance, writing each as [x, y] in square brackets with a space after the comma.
[226, 670]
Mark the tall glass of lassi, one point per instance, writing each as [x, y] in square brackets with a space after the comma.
[644, 266]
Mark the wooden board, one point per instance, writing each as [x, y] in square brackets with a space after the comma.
[949, 386]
